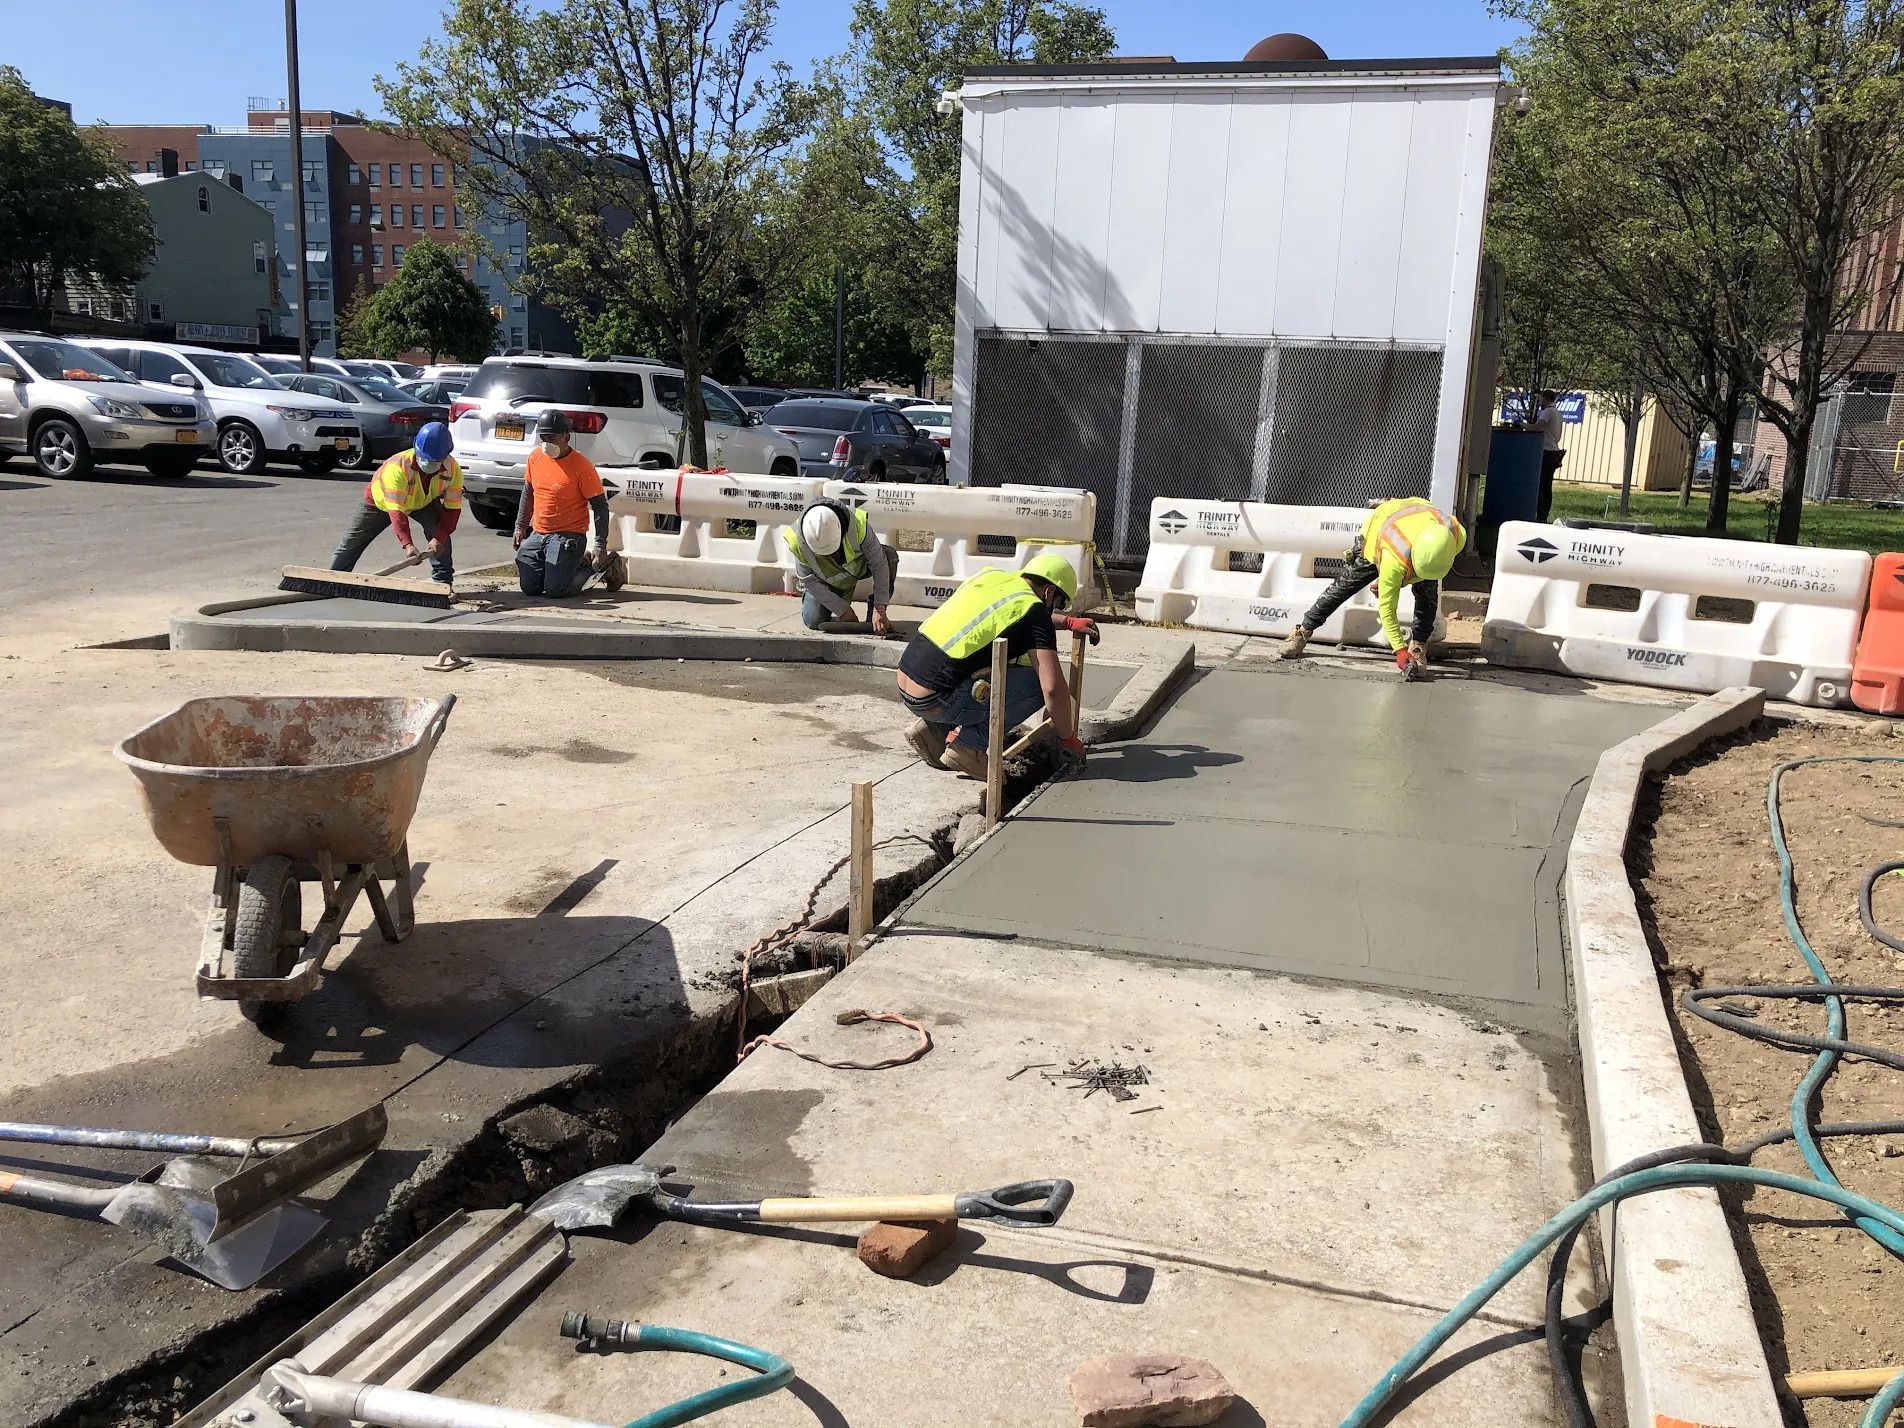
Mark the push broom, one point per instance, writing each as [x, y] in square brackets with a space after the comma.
[348, 585]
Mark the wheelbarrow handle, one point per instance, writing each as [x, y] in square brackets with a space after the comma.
[441, 722]
[44, 1192]
[1030, 1204]
[165, 1142]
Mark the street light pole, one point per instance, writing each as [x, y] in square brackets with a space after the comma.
[839, 328]
[303, 305]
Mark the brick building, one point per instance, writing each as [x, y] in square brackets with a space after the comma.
[368, 196]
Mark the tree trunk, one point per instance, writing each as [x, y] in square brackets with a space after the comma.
[1791, 497]
[1719, 508]
[693, 409]
[1633, 414]
[1692, 470]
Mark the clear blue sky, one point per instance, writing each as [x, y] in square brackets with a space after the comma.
[197, 61]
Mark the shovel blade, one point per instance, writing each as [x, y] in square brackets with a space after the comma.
[180, 1221]
[596, 1200]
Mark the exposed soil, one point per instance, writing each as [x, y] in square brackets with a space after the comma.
[1827, 1296]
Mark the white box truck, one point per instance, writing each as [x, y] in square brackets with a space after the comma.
[1224, 281]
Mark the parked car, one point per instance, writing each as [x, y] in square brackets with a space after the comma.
[905, 401]
[68, 406]
[259, 420]
[390, 416]
[393, 372]
[857, 441]
[438, 391]
[279, 365]
[760, 399]
[450, 371]
[622, 414]
[933, 421]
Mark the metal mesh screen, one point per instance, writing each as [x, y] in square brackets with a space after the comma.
[1133, 418]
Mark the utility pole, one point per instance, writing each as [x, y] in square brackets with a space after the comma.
[303, 305]
[839, 328]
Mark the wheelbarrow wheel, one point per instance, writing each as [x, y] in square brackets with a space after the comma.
[270, 930]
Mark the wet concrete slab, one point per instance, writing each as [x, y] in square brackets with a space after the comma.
[1327, 825]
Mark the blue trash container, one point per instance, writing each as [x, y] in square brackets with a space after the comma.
[1513, 477]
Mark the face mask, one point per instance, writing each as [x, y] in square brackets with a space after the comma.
[551, 448]
[429, 468]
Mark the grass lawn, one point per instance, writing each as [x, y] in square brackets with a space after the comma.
[1845, 526]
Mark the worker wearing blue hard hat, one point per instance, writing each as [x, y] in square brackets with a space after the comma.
[424, 482]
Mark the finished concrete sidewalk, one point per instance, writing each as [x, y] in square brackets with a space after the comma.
[1317, 1170]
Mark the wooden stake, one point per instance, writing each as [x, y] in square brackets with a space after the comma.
[995, 747]
[859, 913]
[1077, 678]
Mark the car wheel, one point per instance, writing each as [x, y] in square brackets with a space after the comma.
[171, 464]
[358, 459]
[937, 476]
[492, 517]
[318, 465]
[876, 472]
[784, 467]
[60, 449]
[240, 449]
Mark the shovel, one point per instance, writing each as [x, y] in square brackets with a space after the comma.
[596, 1201]
[231, 1227]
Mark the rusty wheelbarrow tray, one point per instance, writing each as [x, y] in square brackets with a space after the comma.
[275, 792]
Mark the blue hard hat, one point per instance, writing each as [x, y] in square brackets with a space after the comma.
[433, 442]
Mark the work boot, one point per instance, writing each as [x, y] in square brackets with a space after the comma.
[615, 572]
[967, 761]
[928, 742]
[1297, 642]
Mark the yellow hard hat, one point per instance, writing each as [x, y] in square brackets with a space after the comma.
[1436, 548]
[1055, 568]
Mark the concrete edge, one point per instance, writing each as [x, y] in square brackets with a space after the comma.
[1689, 1345]
[1140, 699]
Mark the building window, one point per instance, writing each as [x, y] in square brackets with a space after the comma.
[436, 176]
[317, 253]
[462, 261]
[191, 166]
[376, 170]
[132, 166]
[396, 255]
[459, 215]
[376, 255]
[314, 171]
[354, 174]
[215, 166]
[515, 337]
[356, 213]
[416, 215]
[320, 332]
[261, 171]
[515, 256]
[314, 216]
[515, 302]
[257, 257]
[459, 174]
[155, 312]
[376, 215]
[319, 291]
[416, 175]
[396, 176]
[204, 199]
[356, 255]
[151, 166]
[436, 215]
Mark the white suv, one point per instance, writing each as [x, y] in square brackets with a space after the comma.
[623, 414]
[258, 420]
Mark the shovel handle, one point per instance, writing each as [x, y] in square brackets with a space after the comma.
[1030, 1204]
[43, 1192]
[859, 1207]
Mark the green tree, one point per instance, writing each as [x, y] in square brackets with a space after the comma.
[794, 341]
[907, 53]
[67, 204]
[428, 306]
[353, 325]
[638, 141]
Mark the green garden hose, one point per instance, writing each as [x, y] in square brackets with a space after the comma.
[772, 1371]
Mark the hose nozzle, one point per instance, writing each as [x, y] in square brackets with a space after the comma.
[597, 1331]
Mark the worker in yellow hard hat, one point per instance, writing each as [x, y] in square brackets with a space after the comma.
[1403, 542]
[952, 652]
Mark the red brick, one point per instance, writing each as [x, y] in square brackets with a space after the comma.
[900, 1250]
[1149, 1391]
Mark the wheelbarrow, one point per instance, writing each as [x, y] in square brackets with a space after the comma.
[277, 792]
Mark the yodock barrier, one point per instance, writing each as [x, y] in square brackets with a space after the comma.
[695, 551]
[1036, 519]
[1252, 569]
[1679, 612]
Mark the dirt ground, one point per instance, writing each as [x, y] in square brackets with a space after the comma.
[1827, 1296]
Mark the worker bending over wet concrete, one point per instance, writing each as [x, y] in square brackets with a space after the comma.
[834, 548]
[560, 489]
[424, 482]
[953, 651]
[1403, 542]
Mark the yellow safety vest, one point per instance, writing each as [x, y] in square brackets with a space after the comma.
[980, 610]
[1394, 526]
[844, 575]
[400, 485]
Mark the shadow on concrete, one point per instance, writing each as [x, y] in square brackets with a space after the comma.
[825, 1412]
[1153, 763]
[191, 480]
[23, 485]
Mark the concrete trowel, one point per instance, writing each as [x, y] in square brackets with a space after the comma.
[231, 1227]
[597, 1199]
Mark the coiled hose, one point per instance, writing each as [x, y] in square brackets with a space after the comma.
[772, 1371]
[1667, 1169]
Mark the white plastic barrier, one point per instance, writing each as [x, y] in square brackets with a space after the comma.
[1189, 580]
[1679, 612]
[1037, 519]
[700, 554]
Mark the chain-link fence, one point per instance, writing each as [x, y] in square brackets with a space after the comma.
[1857, 445]
[1135, 417]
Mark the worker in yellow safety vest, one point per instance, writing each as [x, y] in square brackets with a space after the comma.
[424, 482]
[953, 651]
[834, 547]
[1403, 542]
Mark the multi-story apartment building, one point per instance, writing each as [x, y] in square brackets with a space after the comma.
[368, 197]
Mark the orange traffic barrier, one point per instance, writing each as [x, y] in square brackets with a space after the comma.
[1877, 675]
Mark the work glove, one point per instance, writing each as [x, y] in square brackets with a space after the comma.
[1405, 659]
[1082, 625]
[1071, 754]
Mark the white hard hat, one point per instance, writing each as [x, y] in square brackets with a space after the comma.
[820, 529]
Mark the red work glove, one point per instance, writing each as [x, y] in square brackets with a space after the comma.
[1404, 660]
[1082, 625]
[1071, 753]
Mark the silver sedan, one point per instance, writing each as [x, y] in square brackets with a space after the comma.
[390, 417]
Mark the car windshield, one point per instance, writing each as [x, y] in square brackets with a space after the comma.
[515, 384]
[941, 420]
[823, 415]
[68, 362]
[279, 366]
[221, 369]
[383, 389]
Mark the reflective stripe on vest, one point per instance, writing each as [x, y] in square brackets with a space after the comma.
[842, 575]
[1398, 544]
[400, 485]
[980, 610]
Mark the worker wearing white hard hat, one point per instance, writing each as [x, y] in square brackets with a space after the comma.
[834, 548]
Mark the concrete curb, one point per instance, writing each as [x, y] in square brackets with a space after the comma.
[1689, 1345]
[1138, 700]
